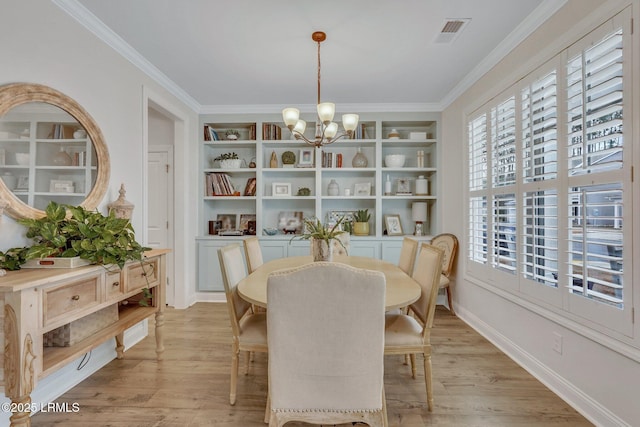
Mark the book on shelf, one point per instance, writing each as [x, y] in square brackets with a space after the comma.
[359, 133]
[60, 131]
[210, 134]
[331, 160]
[271, 132]
[219, 184]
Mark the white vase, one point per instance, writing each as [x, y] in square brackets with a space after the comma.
[333, 189]
[61, 158]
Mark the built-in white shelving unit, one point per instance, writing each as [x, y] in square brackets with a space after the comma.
[261, 135]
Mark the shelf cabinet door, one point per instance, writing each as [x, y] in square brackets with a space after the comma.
[209, 273]
[365, 248]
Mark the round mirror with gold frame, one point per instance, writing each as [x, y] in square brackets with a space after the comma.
[51, 149]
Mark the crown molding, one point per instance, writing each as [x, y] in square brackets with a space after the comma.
[88, 20]
[544, 11]
[311, 108]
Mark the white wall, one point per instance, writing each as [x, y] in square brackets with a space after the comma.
[39, 43]
[597, 380]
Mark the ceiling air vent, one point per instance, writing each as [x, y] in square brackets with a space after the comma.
[451, 30]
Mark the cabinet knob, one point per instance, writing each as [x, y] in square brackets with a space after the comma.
[114, 284]
[144, 274]
[75, 297]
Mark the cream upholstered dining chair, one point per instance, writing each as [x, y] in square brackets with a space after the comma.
[449, 244]
[253, 253]
[326, 359]
[249, 330]
[408, 255]
[405, 334]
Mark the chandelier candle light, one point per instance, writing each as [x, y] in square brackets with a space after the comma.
[325, 134]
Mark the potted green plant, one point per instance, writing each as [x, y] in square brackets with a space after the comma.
[361, 222]
[229, 161]
[232, 134]
[288, 159]
[72, 231]
[321, 237]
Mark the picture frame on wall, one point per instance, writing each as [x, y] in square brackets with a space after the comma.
[306, 158]
[393, 225]
[281, 189]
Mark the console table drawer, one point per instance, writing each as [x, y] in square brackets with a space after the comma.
[113, 286]
[64, 301]
[143, 275]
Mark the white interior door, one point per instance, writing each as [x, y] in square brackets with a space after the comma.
[160, 219]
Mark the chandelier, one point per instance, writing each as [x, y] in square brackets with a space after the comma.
[326, 130]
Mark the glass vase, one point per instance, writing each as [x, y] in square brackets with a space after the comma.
[359, 160]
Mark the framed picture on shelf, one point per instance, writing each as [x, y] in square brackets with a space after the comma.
[393, 226]
[227, 222]
[404, 187]
[362, 189]
[290, 222]
[306, 158]
[245, 226]
[250, 188]
[23, 183]
[281, 189]
[214, 227]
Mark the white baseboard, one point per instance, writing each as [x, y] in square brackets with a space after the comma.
[581, 402]
[64, 379]
[210, 297]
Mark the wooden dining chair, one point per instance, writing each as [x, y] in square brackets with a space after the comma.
[449, 244]
[408, 255]
[406, 334]
[326, 359]
[249, 330]
[253, 253]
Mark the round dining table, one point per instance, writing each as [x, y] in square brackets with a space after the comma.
[401, 291]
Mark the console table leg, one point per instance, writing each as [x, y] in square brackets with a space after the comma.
[160, 334]
[120, 345]
[21, 419]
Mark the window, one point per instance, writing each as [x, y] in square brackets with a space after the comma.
[547, 216]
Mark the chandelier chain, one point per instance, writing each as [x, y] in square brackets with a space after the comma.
[319, 71]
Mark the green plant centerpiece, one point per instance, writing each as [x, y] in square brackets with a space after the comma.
[227, 156]
[229, 161]
[72, 231]
[288, 159]
[361, 222]
[321, 237]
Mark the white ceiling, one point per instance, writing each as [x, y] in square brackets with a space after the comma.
[221, 54]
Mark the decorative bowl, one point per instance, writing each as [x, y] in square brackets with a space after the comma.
[22, 159]
[230, 163]
[270, 231]
[394, 160]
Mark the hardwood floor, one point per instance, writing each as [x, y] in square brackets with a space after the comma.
[474, 383]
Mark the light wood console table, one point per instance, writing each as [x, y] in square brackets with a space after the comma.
[37, 301]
